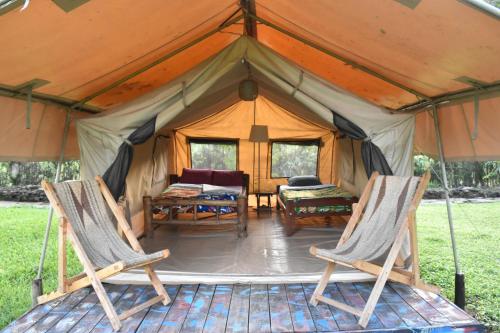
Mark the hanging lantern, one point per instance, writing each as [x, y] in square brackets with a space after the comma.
[248, 90]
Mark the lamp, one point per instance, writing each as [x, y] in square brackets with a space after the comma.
[258, 133]
[248, 90]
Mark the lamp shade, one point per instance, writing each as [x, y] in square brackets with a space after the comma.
[259, 133]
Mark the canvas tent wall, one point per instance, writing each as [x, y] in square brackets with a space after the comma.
[235, 123]
[42, 140]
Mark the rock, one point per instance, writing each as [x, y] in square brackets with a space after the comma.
[434, 193]
[28, 193]
[464, 192]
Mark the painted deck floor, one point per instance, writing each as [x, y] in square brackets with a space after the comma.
[249, 308]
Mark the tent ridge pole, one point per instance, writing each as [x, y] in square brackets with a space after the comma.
[155, 63]
[339, 57]
[45, 99]
[248, 7]
[459, 277]
[462, 94]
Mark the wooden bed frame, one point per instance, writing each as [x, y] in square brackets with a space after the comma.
[241, 205]
[290, 215]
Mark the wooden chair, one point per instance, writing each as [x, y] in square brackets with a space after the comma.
[377, 229]
[86, 212]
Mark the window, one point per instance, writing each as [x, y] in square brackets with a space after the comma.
[294, 158]
[214, 154]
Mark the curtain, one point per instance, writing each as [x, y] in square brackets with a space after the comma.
[373, 158]
[116, 174]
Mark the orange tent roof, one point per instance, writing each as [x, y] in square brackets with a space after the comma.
[434, 48]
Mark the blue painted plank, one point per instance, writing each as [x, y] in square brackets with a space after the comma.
[124, 303]
[281, 319]
[301, 316]
[321, 314]
[156, 314]
[77, 313]
[131, 323]
[91, 318]
[421, 306]
[388, 317]
[32, 316]
[345, 320]
[446, 308]
[259, 320]
[411, 317]
[353, 298]
[237, 321]
[198, 312]
[180, 307]
[59, 311]
[219, 309]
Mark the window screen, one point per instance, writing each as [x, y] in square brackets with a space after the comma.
[214, 154]
[289, 158]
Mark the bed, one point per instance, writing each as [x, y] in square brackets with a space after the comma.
[218, 205]
[310, 201]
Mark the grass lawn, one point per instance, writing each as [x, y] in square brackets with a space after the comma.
[477, 229]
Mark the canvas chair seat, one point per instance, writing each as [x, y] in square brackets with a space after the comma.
[374, 235]
[94, 225]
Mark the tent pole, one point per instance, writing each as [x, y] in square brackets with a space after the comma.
[459, 276]
[492, 89]
[36, 285]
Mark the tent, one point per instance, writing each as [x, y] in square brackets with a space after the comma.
[397, 77]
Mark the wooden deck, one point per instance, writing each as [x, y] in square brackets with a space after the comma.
[249, 308]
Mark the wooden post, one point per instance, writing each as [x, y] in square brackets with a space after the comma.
[241, 213]
[61, 255]
[289, 218]
[148, 215]
[415, 262]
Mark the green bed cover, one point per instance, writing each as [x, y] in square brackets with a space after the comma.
[317, 193]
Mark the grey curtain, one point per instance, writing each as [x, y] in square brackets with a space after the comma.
[372, 156]
[117, 172]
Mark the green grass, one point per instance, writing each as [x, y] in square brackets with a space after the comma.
[477, 229]
[21, 234]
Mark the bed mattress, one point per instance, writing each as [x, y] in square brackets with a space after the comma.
[316, 192]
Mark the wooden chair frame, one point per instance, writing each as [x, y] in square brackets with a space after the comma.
[91, 276]
[388, 270]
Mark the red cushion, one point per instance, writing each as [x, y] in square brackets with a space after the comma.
[196, 176]
[227, 178]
